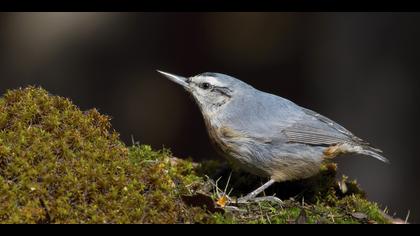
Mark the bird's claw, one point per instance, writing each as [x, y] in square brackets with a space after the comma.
[246, 200]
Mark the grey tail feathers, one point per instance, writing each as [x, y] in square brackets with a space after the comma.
[373, 152]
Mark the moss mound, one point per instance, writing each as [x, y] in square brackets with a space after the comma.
[321, 199]
[61, 165]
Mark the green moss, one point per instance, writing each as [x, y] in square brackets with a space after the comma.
[320, 199]
[61, 165]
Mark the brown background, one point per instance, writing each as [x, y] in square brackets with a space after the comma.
[360, 69]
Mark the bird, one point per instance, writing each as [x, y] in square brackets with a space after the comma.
[265, 134]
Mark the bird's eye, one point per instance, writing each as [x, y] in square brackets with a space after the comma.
[205, 85]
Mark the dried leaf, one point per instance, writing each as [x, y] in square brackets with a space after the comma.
[343, 186]
[202, 200]
[222, 201]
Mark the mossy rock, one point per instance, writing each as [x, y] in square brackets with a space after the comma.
[61, 165]
[322, 199]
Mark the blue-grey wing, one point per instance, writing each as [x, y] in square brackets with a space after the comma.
[282, 121]
[275, 126]
[316, 129]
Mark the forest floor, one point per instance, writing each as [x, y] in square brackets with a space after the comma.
[59, 164]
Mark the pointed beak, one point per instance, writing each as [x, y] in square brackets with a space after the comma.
[176, 78]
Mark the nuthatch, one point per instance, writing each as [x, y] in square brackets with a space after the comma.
[265, 134]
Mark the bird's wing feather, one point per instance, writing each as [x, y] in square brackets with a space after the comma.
[281, 120]
[317, 129]
[304, 133]
[333, 124]
[327, 121]
[275, 121]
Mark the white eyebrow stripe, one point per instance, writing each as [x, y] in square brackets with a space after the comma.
[212, 80]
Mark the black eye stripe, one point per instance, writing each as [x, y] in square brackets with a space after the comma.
[225, 91]
[205, 85]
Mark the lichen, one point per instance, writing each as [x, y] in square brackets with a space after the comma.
[61, 165]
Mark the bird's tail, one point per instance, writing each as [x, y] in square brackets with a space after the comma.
[373, 152]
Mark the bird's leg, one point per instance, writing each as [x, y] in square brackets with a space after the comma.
[252, 197]
[257, 191]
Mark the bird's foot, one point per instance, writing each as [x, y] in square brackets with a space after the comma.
[250, 199]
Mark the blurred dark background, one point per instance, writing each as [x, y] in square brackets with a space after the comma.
[360, 69]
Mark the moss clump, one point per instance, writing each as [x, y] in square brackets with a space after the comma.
[320, 199]
[61, 165]
[349, 210]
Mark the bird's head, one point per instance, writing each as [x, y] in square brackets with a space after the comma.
[211, 91]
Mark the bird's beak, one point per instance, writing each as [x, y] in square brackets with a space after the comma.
[176, 78]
